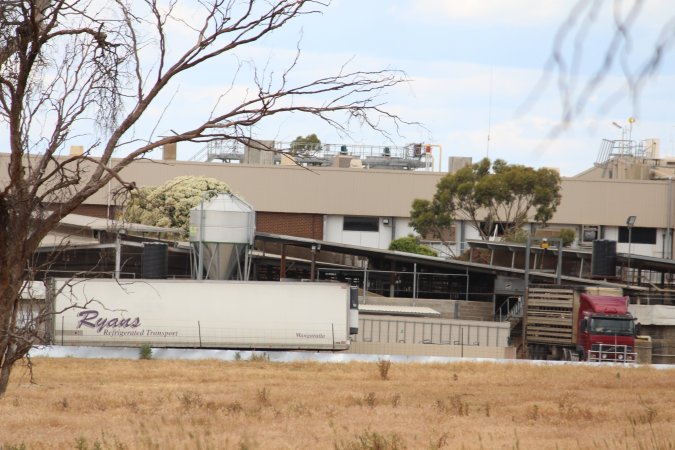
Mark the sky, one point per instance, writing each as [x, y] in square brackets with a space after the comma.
[474, 71]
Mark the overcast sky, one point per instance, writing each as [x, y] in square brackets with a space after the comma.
[473, 64]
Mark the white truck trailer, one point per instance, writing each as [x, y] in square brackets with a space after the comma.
[202, 314]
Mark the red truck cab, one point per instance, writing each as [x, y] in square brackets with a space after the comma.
[606, 330]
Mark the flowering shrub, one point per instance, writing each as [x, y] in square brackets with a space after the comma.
[169, 205]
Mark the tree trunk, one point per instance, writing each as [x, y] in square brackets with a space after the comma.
[13, 260]
[99, 56]
[5, 372]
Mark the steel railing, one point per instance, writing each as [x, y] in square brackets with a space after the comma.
[612, 353]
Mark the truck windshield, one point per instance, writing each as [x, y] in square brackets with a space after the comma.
[621, 327]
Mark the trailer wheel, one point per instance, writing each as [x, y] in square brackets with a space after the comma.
[570, 355]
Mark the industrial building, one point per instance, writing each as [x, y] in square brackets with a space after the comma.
[332, 215]
[360, 205]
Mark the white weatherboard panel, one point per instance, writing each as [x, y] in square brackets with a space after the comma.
[653, 314]
[210, 314]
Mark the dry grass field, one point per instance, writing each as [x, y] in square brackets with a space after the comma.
[159, 404]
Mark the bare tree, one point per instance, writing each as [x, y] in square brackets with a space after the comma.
[70, 64]
[617, 54]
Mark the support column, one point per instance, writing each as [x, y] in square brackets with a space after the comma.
[118, 255]
[282, 266]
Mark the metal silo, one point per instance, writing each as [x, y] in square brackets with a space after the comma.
[222, 230]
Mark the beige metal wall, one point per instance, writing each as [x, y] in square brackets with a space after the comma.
[390, 193]
[610, 202]
[299, 190]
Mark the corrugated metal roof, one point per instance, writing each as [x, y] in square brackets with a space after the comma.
[398, 310]
[422, 259]
[76, 230]
[95, 223]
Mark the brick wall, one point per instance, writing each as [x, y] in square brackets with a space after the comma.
[100, 211]
[291, 224]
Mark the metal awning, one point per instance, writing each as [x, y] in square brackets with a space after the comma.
[398, 310]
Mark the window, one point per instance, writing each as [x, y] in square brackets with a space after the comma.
[589, 233]
[361, 223]
[444, 235]
[621, 327]
[489, 229]
[639, 235]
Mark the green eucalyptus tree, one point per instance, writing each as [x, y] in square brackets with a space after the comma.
[485, 194]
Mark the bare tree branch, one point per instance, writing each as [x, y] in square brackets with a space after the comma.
[102, 66]
[564, 63]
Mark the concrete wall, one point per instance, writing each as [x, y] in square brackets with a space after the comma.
[663, 343]
[433, 350]
[402, 227]
[333, 232]
[399, 335]
[396, 228]
[428, 330]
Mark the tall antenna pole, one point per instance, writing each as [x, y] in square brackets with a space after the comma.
[487, 150]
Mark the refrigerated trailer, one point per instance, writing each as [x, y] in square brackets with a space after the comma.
[202, 314]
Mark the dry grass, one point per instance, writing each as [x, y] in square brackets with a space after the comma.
[111, 404]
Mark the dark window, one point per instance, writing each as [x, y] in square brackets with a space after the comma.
[589, 234]
[444, 235]
[361, 223]
[489, 229]
[639, 235]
